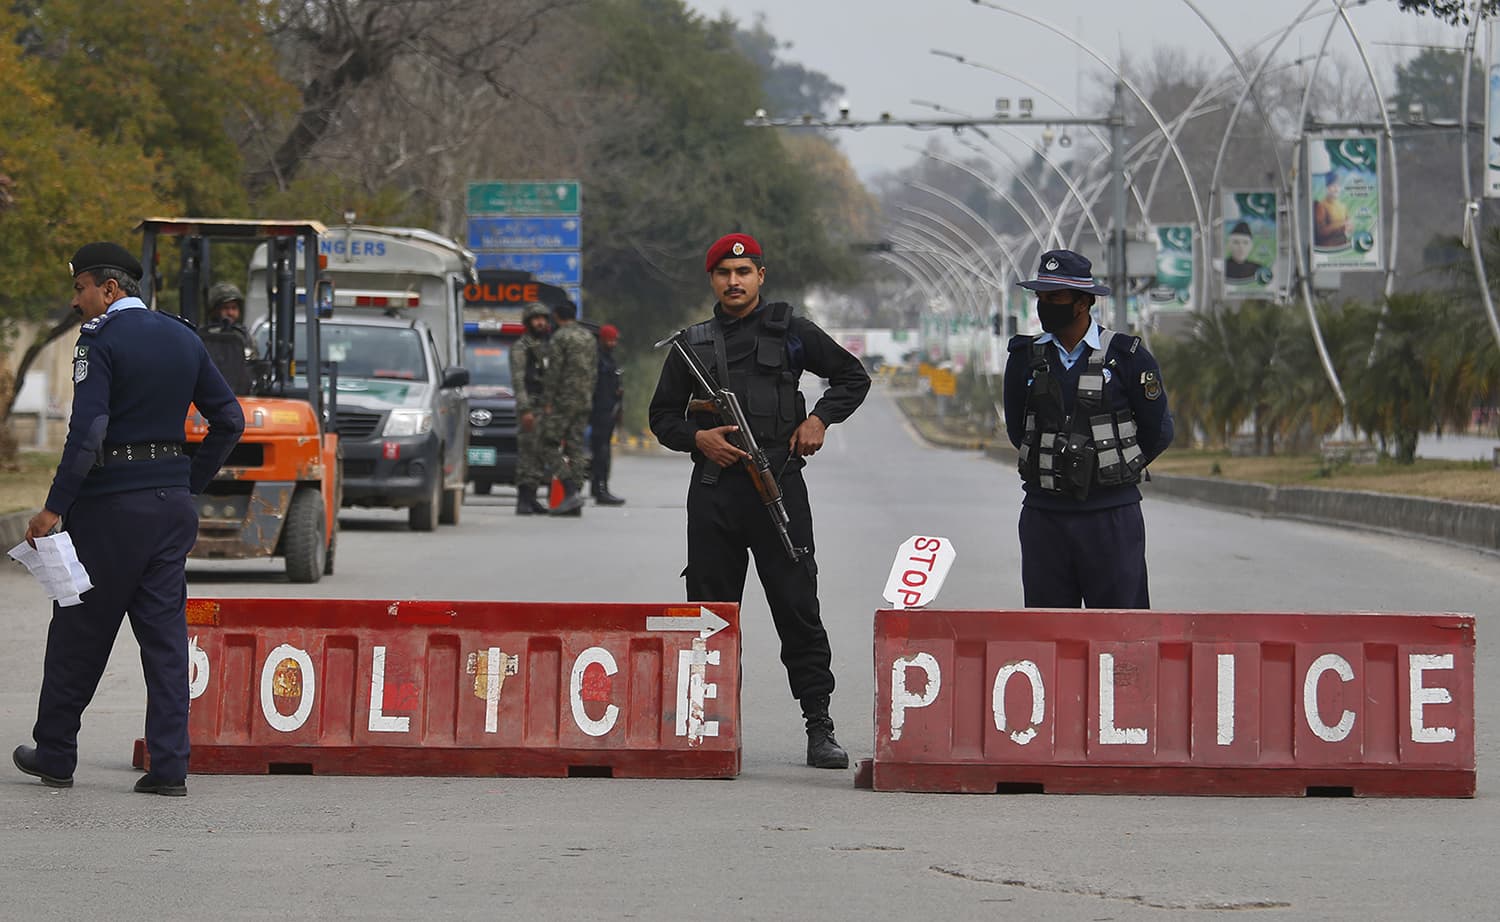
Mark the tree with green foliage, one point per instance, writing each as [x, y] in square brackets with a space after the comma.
[1450, 11]
[63, 187]
[182, 85]
[790, 89]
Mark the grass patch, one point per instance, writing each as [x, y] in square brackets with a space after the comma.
[26, 489]
[953, 431]
[1459, 481]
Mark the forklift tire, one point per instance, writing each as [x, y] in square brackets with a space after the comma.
[482, 487]
[424, 515]
[303, 539]
[453, 501]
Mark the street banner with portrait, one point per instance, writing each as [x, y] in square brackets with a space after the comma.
[1492, 115]
[1250, 243]
[1344, 176]
[1173, 289]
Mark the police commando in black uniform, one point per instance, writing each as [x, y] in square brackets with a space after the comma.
[1086, 408]
[123, 490]
[759, 351]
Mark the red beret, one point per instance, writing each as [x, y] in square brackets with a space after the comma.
[610, 332]
[731, 246]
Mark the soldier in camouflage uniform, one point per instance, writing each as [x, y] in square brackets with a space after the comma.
[572, 367]
[528, 366]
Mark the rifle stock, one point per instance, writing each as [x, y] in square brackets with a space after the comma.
[757, 464]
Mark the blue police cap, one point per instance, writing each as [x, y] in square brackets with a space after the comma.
[105, 255]
[1064, 270]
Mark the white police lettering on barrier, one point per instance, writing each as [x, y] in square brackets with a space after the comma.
[907, 694]
[693, 690]
[921, 566]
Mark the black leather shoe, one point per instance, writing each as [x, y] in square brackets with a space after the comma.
[603, 497]
[823, 751]
[26, 760]
[150, 784]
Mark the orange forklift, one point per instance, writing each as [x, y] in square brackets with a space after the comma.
[279, 492]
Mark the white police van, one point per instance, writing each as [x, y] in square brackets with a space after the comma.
[396, 325]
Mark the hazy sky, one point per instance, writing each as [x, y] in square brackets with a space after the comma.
[880, 50]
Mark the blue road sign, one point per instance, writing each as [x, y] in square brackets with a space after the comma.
[561, 269]
[560, 232]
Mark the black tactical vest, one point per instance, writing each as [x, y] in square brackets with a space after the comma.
[753, 362]
[1096, 444]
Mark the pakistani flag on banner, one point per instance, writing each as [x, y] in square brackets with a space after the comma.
[1249, 244]
[1173, 290]
[1344, 175]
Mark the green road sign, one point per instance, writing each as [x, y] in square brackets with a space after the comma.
[549, 197]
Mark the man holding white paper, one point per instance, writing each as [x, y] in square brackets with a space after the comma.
[122, 490]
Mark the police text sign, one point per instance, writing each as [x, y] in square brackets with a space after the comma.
[1175, 702]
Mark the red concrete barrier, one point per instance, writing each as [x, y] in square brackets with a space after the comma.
[1153, 702]
[463, 688]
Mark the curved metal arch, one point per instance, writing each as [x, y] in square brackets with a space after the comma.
[995, 274]
[1304, 266]
[991, 186]
[1129, 84]
[1471, 207]
[1095, 133]
[1019, 175]
[947, 255]
[1006, 255]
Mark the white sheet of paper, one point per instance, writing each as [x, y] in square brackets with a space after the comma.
[54, 562]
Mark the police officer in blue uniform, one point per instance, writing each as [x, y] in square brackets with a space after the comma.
[123, 491]
[1086, 408]
[759, 350]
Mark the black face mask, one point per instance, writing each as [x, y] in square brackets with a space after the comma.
[1055, 317]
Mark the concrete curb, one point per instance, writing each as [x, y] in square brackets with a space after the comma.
[1471, 525]
[13, 529]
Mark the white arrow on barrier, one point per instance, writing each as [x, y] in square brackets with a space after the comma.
[706, 623]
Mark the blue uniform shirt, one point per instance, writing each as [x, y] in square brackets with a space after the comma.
[1134, 382]
[135, 371]
[1070, 357]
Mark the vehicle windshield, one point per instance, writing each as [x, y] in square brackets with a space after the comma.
[488, 361]
[364, 351]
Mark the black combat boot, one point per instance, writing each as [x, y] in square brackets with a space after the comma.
[603, 497]
[526, 503]
[572, 501]
[823, 750]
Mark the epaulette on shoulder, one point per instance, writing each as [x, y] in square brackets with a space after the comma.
[700, 332]
[182, 320]
[1019, 341]
[779, 317]
[91, 327]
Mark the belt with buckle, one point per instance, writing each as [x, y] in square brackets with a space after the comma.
[140, 451]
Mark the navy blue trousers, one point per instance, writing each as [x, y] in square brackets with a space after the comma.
[726, 524]
[1094, 559]
[134, 546]
[600, 432]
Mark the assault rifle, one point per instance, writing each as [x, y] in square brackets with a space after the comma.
[726, 405]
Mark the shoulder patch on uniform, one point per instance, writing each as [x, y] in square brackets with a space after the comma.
[80, 367]
[93, 326]
[1151, 384]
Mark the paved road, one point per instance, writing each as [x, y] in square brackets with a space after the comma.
[783, 841]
